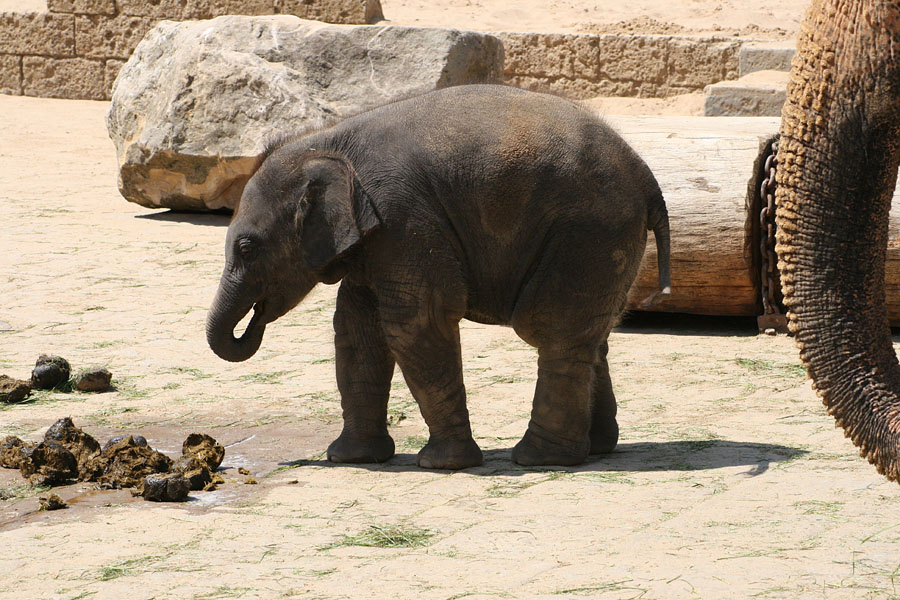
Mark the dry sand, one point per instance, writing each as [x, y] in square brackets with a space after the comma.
[768, 19]
[730, 480]
[765, 19]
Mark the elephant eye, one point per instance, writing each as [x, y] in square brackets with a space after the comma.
[246, 248]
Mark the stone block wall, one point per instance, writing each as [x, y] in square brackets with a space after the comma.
[648, 66]
[75, 50]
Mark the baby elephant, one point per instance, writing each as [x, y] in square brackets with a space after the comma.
[481, 202]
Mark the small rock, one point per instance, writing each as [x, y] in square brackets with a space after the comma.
[205, 449]
[13, 390]
[52, 502]
[96, 379]
[168, 487]
[49, 372]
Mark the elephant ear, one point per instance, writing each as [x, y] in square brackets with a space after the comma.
[337, 212]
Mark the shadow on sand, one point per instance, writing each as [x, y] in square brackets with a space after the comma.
[628, 457]
[220, 218]
[685, 324]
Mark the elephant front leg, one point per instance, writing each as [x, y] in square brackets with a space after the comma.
[428, 354]
[561, 416]
[364, 367]
[604, 428]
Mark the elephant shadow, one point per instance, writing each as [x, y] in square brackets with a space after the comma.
[696, 455]
[686, 324]
[214, 218]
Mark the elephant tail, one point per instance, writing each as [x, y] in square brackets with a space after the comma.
[658, 222]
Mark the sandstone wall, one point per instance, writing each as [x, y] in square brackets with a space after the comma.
[75, 50]
[648, 66]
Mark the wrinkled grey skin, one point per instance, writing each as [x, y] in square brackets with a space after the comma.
[490, 203]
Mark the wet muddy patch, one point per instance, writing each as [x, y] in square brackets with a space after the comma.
[68, 454]
[265, 455]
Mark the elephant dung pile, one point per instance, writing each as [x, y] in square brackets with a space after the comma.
[54, 373]
[13, 391]
[67, 453]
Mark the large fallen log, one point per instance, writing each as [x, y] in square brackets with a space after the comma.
[709, 174]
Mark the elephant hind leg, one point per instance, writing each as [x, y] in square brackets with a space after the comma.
[558, 432]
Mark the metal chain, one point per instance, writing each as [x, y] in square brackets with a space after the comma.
[772, 317]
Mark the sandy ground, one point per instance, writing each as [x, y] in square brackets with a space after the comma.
[729, 481]
[768, 19]
[764, 19]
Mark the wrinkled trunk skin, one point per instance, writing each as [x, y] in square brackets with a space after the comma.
[837, 167]
[228, 308]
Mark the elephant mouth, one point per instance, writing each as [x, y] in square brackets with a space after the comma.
[220, 331]
[256, 319]
[262, 316]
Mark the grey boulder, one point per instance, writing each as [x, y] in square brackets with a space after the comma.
[197, 100]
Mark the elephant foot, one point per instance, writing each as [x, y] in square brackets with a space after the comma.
[450, 454]
[351, 448]
[539, 450]
[604, 437]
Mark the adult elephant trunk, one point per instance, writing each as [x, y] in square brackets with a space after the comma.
[837, 168]
[228, 308]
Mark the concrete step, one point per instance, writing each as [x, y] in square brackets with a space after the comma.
[765, 56]
[759, 94]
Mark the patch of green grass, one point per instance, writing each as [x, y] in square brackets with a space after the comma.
[319, 361]
[726, 524]
[127, 567]
[22, 491]
[616, 586]
[507, 379]
[819, 507]
[612, 477]
[401, 409]
[193, 372]
[224, 591]
[102, 417]
[267, 378]
[510, 489]
[131, 392]
[93, 308]
[414, 442]
[108, 343]
[386, 536]
[769, 367]
[60, 393]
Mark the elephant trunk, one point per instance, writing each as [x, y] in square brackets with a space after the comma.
[224, 315]
[837, 167]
